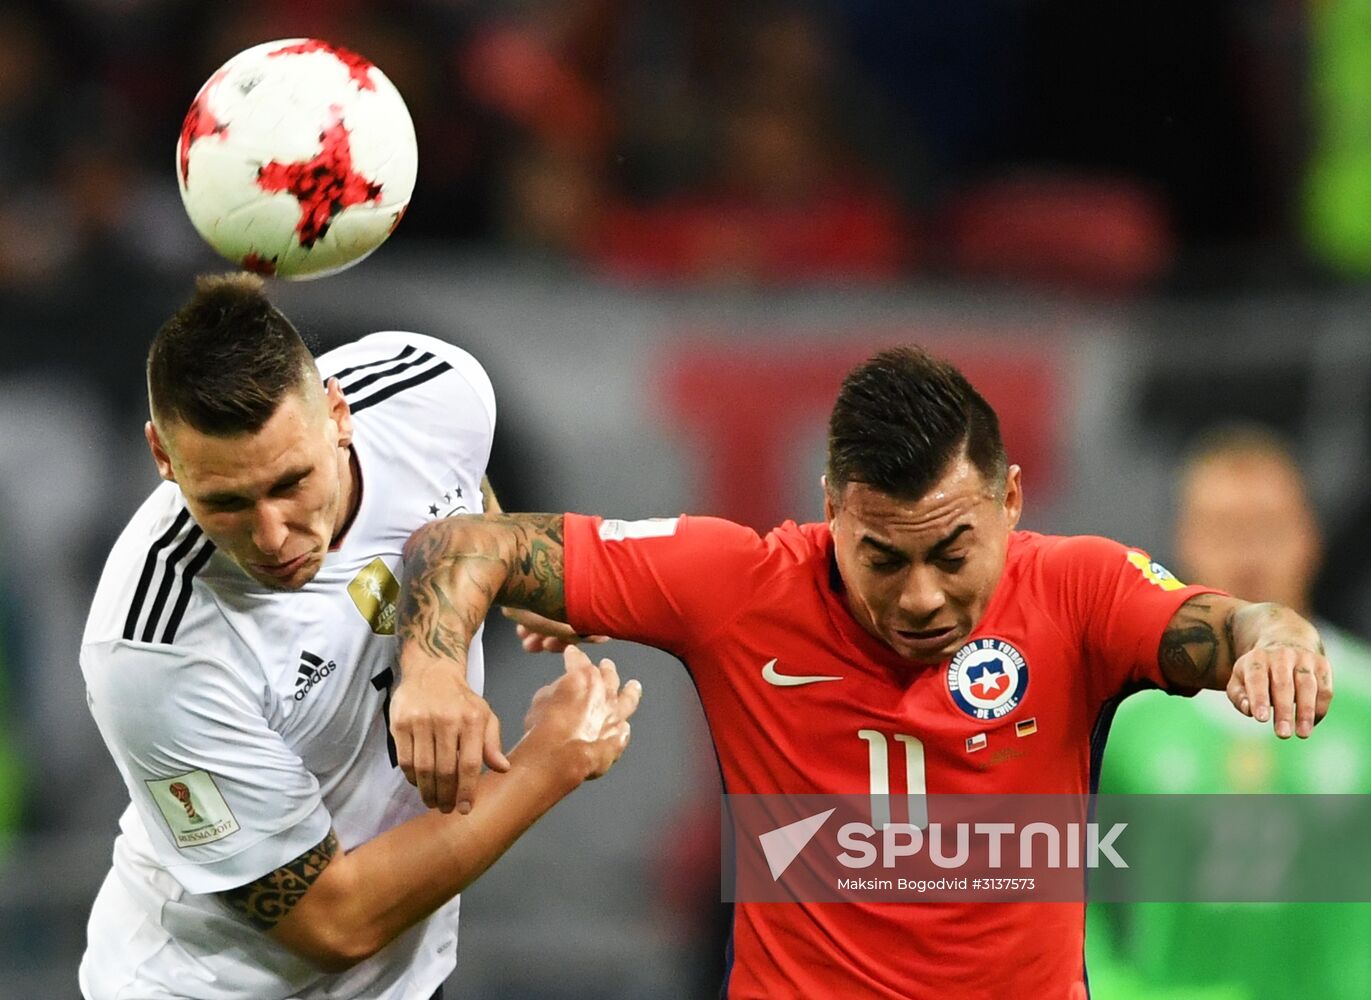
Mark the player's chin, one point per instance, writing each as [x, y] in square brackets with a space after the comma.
[295, 579]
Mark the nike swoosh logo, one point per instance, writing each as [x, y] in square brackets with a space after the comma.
[772, 676]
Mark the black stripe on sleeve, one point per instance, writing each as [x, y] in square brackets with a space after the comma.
[168, 577]
[394, 387]
[187, 585]
[149, 566]
[372, 364]
[367, 380]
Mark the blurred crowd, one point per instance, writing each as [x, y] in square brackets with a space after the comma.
[1097, 149]
[1054, 141]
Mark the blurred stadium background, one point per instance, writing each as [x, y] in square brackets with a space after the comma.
[667, 228]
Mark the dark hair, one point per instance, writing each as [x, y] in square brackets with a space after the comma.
[225, 360]
[901, 417]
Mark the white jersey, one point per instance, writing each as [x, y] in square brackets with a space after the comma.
[246, 722]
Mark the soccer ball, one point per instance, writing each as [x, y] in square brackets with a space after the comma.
[297, 158]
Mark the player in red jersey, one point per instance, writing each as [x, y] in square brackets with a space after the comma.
[851, 657]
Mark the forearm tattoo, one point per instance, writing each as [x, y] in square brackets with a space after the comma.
[272, 896]
[1192, 650]
[456, 569]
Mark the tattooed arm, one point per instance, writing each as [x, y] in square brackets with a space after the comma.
[263, 903]
[336, 908]
[1268, 659]
[455, 570]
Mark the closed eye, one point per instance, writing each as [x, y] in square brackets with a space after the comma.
[885, 565]
[289, 486]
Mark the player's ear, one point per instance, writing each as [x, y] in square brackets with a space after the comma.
[1013, 496]
[830, 512]
[159, 452]
[339, 412]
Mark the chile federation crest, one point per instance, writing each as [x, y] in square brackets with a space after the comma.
[987, 678]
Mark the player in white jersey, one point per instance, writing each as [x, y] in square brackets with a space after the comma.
[238, 660]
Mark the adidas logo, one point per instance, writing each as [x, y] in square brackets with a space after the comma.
[313, 669]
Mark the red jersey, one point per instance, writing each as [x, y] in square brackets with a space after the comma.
[1075, 622]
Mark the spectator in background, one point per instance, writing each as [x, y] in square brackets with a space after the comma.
[750, 179]
[11, 768]
[28, 103]
[785, 197]
[1244, 524]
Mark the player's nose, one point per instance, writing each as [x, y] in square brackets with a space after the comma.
[923, 596]
[269, 531]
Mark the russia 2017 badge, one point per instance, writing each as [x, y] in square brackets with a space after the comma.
[987, 678]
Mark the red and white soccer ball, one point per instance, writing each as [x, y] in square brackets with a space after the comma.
[297, 158]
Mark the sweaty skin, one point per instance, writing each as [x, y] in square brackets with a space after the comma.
[919, 574]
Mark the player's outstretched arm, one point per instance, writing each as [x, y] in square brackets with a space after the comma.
[1267, 658]
[454, 571]
[537, 633]
[336, 908]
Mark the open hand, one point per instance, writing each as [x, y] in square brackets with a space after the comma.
[584, 713]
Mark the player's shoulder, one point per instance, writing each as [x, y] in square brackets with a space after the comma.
[1074, 555]
[407, 370]
[165, 587]
[1034, 545]
[799, 543]
[1063, 572]
[711, 541]
[789, 558]
[148, 581]
[787, 544]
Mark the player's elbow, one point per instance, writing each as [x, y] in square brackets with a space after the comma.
[341, 955]
[331, 927]
[334, 948]
[329, 960]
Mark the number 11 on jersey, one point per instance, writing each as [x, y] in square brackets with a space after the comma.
[878, 755]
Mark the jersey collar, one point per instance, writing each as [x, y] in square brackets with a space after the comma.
[356, 464]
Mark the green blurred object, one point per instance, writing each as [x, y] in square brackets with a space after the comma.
[11, 768]
[1338, 191]
[1236, 951]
